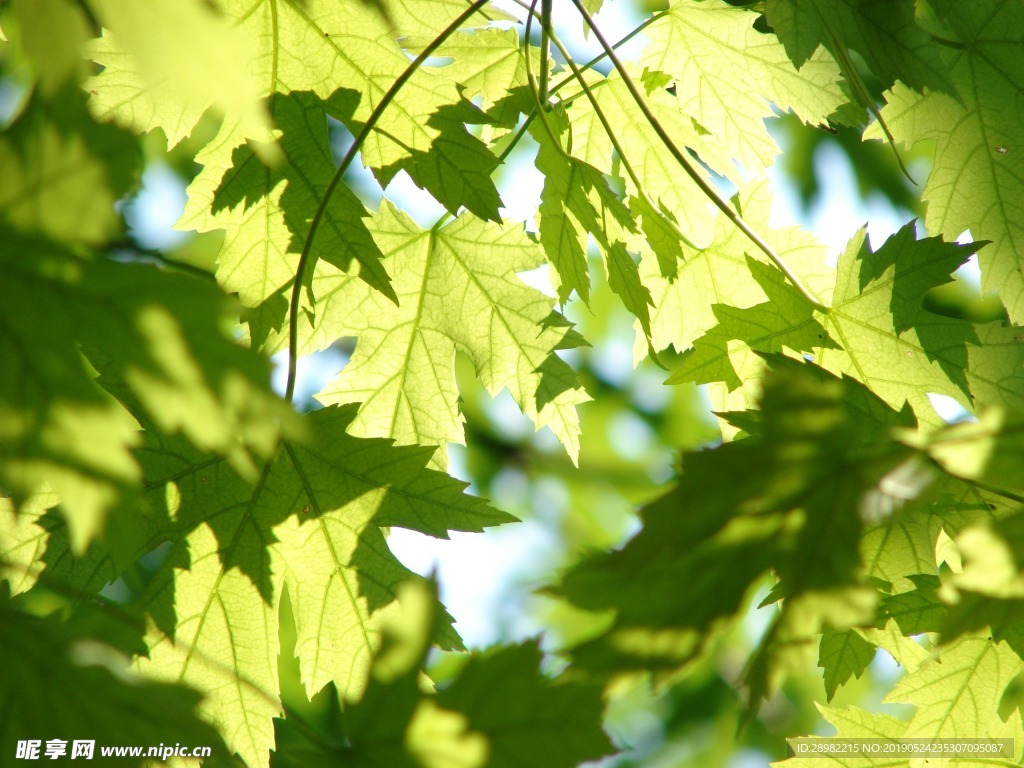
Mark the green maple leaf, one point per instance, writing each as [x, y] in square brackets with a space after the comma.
[532, 715]
[163, 333]
[658, 172]
[902, 544]
[486, 63]
[576, 203]
[208, 613]
[35, 547]
[918, 611]
[855, 723]
[416, 732]
[957, 694]
[165, 66]
[23, 541]
[457, 167]
[786, 320]
[885, 33]
[567, 183]
[728, 75]
[988, 450]
[876, 325]
[999, 617]
[309, 47]
[905, 651]
[658, 626]
[310, 524]
[422, 132]
[458, 291]
[51, 34]
[788, 645]
[843, 655]
[994, 365]
[94, 473]
[988, 592]
[976, 179]
[72, 682]
[786, 499]
[499, 711]
[63, 171]
[846, 429]
[719, 274]
[661, 236]
[267, 213]
[878, 321]
[165, 69]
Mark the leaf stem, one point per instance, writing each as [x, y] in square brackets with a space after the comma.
[623, 158]
[948, 43]
[307, 259]
[705, 187]
[622, 41]
[520, 132]
[607, 126]
[1016, 497]
[545, 33]
[860, 91]
[570, 78]
[535, 89]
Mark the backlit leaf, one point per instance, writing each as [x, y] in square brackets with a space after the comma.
[975, 182]
[458, 291]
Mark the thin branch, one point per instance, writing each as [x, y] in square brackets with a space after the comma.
[307, 260]
[622, 41]
[571, 78]
[520, 132]
[129, 243]
[535, 89]
[684, 162]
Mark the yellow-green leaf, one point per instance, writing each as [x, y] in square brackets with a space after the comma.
[457, 291]
[728, 76]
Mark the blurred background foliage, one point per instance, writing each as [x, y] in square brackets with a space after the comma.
[632, 434]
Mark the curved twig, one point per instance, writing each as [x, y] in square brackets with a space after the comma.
[307, 260]
[572, 78]
[688, 167]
